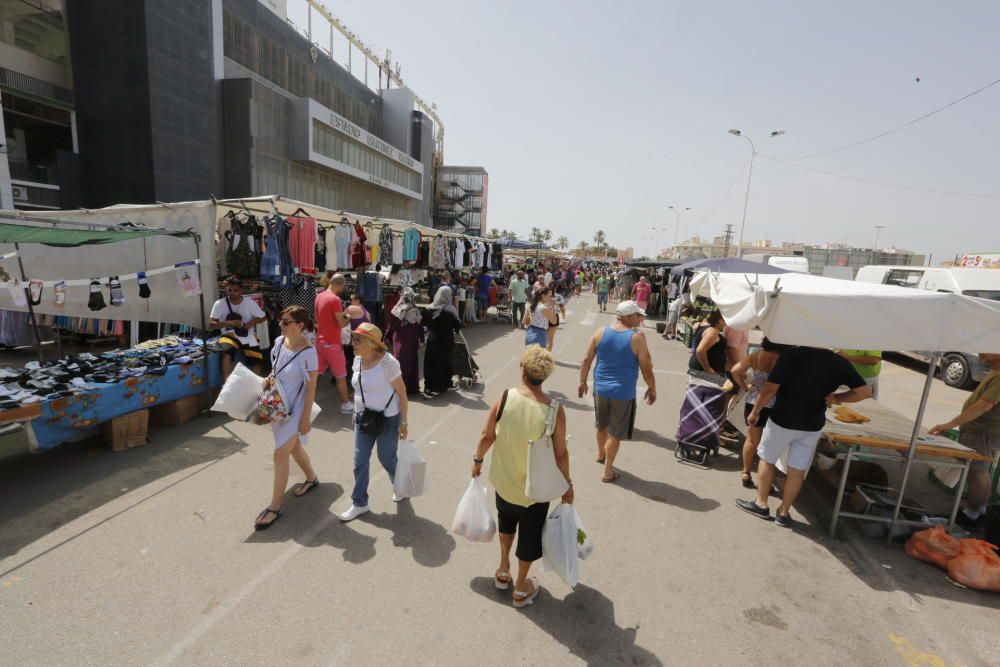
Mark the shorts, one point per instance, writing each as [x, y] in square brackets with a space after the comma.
[615, 415]
[602, 298]
[483, 301]
[239, 351]
[531, 520]
[765, 414]
[984, 443]
[556, 325]
[331, 355]
[801, 445]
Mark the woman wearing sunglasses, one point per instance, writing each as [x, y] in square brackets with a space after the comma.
[380, 409]
[294, 363]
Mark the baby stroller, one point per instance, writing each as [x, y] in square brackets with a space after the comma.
[464, 365]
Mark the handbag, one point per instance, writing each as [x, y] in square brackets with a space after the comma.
[545, 481]
[272, 406]
[370, 422]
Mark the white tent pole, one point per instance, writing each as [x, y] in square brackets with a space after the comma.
[931, 372]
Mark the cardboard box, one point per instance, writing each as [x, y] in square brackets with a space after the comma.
[127, 431]
[182, 410]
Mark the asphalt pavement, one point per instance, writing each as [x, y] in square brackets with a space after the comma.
[149, 556]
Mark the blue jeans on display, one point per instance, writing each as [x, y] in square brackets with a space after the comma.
[387, 442]
[517, 308]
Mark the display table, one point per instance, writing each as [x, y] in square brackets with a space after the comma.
[80, 416]
[887, 437]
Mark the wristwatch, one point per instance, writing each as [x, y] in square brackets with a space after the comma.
[477, 461]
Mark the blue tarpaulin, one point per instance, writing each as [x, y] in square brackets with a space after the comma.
[79, 416]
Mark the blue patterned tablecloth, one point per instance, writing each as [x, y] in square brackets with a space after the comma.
[79, 416]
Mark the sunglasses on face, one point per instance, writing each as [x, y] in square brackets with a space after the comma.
[285, 323]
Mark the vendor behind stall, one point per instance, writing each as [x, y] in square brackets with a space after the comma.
[236, 317]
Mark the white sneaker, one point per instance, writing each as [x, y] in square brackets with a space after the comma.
[398, 499]
[353, 513]
[347, 408]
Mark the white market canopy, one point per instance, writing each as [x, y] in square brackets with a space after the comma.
[832, 313]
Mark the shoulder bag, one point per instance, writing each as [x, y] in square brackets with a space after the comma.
[545, 480]
[272, 406]
[370, 422]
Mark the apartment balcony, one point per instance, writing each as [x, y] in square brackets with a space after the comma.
[34, 185]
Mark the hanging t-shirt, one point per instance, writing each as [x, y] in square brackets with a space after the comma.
[459, 254]
[438, 252]
[411, 240]
[385, 246]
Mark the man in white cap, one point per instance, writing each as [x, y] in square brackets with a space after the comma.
[621, 352]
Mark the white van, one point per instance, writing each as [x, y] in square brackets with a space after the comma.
[958, 369]
[795, 263]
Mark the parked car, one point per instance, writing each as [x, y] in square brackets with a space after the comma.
[956, 368]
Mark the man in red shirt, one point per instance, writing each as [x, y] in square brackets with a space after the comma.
[330, 319]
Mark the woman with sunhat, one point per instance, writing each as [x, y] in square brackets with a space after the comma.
[378, 387]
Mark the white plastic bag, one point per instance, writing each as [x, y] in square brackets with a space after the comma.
[584, 544]
[559, 544]
[314, 412]
[238, 397]
[411, 471]
[473, 519]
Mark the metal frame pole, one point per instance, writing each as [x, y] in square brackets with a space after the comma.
[27, 297]
[201, 313]
[931, 372]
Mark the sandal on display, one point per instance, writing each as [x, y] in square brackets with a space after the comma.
[260, 517]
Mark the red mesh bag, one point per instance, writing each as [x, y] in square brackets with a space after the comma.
[977, 567]
[933, 546]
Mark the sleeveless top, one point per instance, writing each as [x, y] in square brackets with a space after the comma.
[522, 420]
[716, 353]
[617, 368]
[538, 318]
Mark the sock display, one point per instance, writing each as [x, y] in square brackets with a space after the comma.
[35, 292]
[96, 301]
[59, 293]
[115, 289]
[144, 292]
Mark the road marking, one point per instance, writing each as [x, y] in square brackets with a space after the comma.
[588, 319]
[913, 656]
[222, 610]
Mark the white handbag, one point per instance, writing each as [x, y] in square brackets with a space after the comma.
[545, 481]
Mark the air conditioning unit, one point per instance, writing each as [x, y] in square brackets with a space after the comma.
[19, 192]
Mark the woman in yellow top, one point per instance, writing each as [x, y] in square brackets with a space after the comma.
[518, 416]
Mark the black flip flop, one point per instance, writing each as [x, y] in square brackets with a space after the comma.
[308, 485]
[265, 526]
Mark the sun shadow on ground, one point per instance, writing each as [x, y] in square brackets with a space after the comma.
[58, 486]
[583, 622]
[662, 492]
[430, 542]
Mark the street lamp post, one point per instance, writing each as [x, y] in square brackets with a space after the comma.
[746, 201]
[677, 225]
[878, 231]
[656, 250]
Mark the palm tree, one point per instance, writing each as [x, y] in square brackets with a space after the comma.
[599, 238]
[547, 235]
[536, 235]
[512, 235]
[493, 234]
[582, 247]
[562, 242]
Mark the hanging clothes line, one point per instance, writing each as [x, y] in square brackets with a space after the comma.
[83, 282]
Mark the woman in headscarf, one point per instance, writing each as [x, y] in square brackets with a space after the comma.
[441, 328]
[405, 333]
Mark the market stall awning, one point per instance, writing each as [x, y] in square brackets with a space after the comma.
[800, 309]
[725, 265]
[12, 232]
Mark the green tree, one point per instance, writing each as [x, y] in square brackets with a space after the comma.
[493, 234]
[562, 242]
[547, 235]
[582, 248]
[599, 239]
[536, 235]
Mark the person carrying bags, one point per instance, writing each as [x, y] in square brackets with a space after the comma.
[380, 409]
[522, 415]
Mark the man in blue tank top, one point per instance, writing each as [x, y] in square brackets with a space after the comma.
[621, 352]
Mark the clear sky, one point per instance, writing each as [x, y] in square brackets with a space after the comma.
[597, 115]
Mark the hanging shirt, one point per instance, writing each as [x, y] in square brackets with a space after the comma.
[397, 249]
[411, 240]
[385, 246]
[480, 254]
[302, 243]
[459, 254]
[437, 260]
[342, 236]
